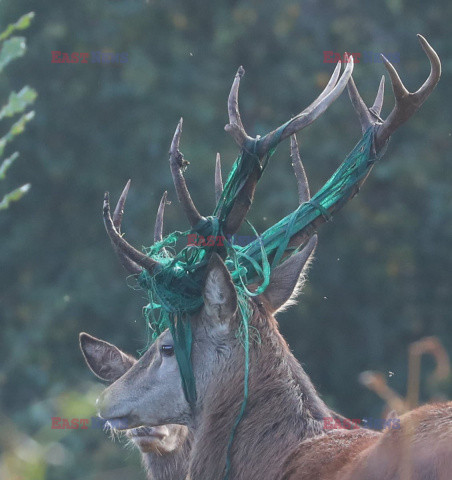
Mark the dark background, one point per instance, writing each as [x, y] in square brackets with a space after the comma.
[382, 275]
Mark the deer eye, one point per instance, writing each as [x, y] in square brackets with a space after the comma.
[167, 350]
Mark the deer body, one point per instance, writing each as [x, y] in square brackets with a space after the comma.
[419, 450]
[282, 435]
[284, 409]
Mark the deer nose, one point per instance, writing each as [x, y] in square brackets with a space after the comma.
[105, 407]
[116, 417]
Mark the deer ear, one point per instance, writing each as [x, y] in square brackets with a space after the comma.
[220, 297]
[288, 278]
[104, 359]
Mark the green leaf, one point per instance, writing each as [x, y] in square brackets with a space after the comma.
[13, 196]
[7, 163]
[18, 102]
[15, 130]
[12, 48]
[21, 24]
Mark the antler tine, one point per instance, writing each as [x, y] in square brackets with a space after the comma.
[158, 229]
[304, 194]
[245, 197]
[375, 109]
[124, 249]
[310, 114]
[218, 179]
[435, 70]
[406, 103]
[126, 262]
[119, 210]
[177, 163]
[235, 125]
[329, 86]
[365, 114]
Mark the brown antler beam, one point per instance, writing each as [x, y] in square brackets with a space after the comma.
[406, 103]
[331, 92]
[126, 262]
[304, 194]
[177, 164]
[218, 179]
[125, 251]
[158, 228]
[235, 127]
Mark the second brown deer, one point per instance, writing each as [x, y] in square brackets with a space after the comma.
[164, 449]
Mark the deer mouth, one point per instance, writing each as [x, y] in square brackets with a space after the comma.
[149, 439]
[119, 423]
[151, 433]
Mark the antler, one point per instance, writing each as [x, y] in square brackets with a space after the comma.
[244, 197]
[304, 194]
[177, 164]
[376, 382]
[132, 259]
[406, 103]
[235, 127]
[158, 228]
[218, 179]
[350, 176]
[416, 350]
[132, 267]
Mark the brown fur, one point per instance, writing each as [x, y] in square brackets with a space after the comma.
[167, 465]
[282, 435]
[420, 450]
[321, 457]
[282, 410]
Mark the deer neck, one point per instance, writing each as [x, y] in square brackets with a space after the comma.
[168, 466]
[283, 409]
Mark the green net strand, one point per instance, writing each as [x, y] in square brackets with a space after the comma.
[245, 312]
[342, 185]
[336, 192]
[175, 286]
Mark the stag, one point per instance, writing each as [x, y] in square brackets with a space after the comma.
[164, 449]
[282, 433]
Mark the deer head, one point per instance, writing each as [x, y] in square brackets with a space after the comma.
[150, 392]
[164, 448]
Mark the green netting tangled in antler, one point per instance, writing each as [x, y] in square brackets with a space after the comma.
[174, 281]
[175, 285]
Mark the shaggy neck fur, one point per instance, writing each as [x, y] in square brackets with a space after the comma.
[168, 465]
[283, 409]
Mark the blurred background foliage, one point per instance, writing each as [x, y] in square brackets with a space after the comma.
[382, 275]
[12, 47]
